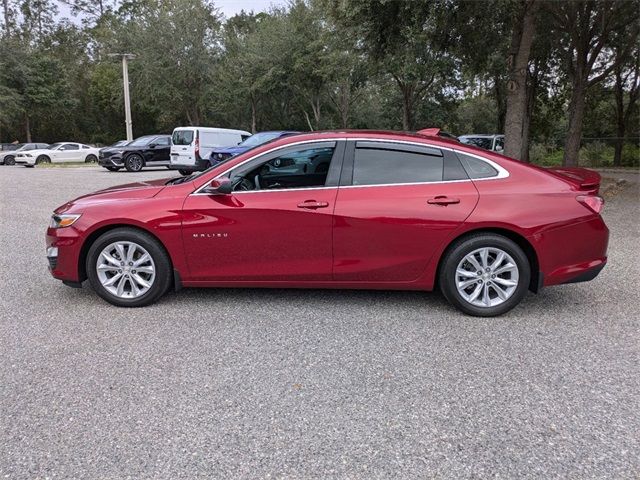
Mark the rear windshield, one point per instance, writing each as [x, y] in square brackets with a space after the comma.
[182, 137]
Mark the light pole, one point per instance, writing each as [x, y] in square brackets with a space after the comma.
[125, 82]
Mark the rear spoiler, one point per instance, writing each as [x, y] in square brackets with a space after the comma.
[584, 179]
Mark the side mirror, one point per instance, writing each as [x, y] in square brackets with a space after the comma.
[219, 187]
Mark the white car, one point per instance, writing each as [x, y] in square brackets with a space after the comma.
[58, 153]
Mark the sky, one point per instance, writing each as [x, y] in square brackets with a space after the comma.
[227, 7]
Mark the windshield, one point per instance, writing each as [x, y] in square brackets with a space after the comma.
[259, 139]
[21, 146]
[140, 142]
[55, 146]
[121, 143]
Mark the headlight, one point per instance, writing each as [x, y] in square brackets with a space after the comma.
[63, 220]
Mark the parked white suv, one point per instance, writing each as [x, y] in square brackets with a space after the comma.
[59, 153]
[494, 143]
[191, 146]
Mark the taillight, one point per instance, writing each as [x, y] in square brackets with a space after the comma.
[197, 147]
[593, 202]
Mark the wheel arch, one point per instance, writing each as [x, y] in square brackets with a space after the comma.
[526, 246]
[93, 236]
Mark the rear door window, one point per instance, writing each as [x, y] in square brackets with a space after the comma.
[388, 164]
[182, 137]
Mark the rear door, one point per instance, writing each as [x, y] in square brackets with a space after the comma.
[397, 204]
[183, 147]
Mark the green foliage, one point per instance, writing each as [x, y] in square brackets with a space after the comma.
[314, 64]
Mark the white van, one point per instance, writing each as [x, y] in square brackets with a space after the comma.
[191, 146]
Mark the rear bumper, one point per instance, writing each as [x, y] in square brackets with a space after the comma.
[201, 164]
[572, 253]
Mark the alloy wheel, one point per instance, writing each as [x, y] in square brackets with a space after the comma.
[487, 277]
[125, 269]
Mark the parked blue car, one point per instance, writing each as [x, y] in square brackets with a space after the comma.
[221, 154]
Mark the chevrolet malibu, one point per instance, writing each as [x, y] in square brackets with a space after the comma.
[348, 210]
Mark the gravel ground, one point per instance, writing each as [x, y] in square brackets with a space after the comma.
[309, 384]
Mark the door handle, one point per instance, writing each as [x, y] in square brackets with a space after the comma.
[442, 200]
[312, 204]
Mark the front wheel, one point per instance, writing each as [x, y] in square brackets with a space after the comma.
[134, 163]
[128, 268]
[485, 275]
[9, 160]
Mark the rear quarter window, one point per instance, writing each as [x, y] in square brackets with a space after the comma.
[475, 167]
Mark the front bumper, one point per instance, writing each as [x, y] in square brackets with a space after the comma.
[25, 160]
[111, 161]
[63, 246]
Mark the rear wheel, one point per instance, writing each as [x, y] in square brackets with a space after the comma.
[128, 268]
[485, 275]
[134, 163]
[91, 159]
[42, 159]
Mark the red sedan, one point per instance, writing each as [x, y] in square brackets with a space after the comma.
[356, 209]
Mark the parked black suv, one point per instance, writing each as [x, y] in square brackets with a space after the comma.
[147, 151]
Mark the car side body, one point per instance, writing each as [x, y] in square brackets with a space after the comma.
[145, 151]
[352, 231]
[61, 152]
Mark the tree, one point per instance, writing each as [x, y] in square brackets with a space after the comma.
[589, 28]
[518, 90]
[627, 84]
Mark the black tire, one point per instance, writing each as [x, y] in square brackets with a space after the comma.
[185, 172]
[91, 159]
[42, 159]
[461, 248]
[112, 169]
[161, 260]
[134, 163]
[9, 160]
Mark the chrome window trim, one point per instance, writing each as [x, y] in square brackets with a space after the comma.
[502, 172]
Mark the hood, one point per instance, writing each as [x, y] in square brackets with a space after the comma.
[230, 150]
[129, 191]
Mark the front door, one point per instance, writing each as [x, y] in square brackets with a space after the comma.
[275, 226]
[396, 211]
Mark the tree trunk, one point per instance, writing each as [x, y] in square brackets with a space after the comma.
[516, 118]
[576, 117]
[27, 127]
[6, 17]
[253, 115]
[620, 124]
[498, 90]
[407, 108]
